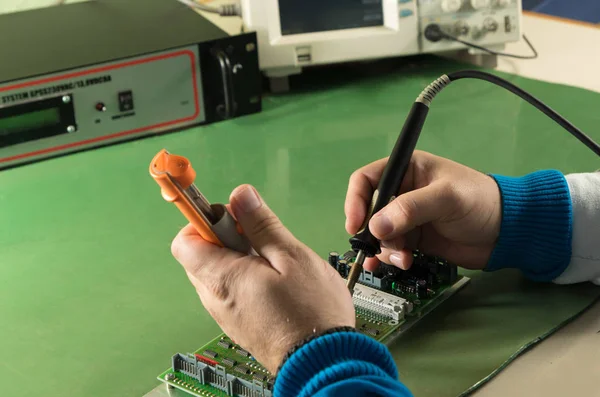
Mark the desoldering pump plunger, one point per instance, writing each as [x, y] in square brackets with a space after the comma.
[364, 243]
[175, 176]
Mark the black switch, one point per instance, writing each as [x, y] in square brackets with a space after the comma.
[125, 101]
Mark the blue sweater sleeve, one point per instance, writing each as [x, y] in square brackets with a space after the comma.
[340, 364]
[536, 229]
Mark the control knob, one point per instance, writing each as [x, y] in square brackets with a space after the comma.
[451, 5]
[490, 25]
[479, 4]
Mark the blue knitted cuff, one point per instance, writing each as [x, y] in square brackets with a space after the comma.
[331, 358]
[536, 230]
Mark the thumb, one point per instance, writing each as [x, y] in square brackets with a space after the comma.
[264, 230]
[411, 210]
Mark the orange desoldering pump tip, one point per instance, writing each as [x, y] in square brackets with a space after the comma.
[175, 176]
[178, 167]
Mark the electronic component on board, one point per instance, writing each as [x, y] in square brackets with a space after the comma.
[242, 352]
[343, 268]
[333, 259]
[380, 304]
[387, 301]
[224, 344]
[259, 377]
[371, 331]
[242, 369]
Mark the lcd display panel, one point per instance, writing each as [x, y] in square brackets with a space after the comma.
[309, 16]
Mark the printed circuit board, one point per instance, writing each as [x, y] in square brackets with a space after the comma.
[388, 302]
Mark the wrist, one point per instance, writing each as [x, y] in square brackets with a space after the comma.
[305, 341]
[536, 225]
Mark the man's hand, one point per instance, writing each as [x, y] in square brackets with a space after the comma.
[266, 303]
[444, 209]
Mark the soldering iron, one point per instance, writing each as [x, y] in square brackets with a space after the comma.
[364, 244]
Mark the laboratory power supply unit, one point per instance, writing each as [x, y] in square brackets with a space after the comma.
[101, 72]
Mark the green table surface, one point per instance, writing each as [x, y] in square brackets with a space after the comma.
[93, 304]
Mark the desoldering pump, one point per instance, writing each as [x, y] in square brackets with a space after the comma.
[175, 176]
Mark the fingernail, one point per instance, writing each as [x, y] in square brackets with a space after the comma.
[381, 224]
[247, 200]
[396, 260]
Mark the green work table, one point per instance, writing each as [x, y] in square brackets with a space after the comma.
[93, 304]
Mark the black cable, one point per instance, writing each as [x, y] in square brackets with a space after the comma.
[435, 33]
[434, 88]
[576, 132]
[504, 54]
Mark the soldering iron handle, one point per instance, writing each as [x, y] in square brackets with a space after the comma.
[392, 177]
[399, 160]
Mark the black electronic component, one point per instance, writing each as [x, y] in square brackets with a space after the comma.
[210, 353]
[259, 377]
[333, 259]
[224, 344]
[242, 352]
[229, 362]
[242, 369]
[421, 288]
[426, 274]
[343, 268]
[125, 101]
[270, 383]
[371, 331]
[404, 286]
[389, 270]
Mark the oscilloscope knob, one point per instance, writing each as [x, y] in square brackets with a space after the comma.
[479, 4]
[451, 5]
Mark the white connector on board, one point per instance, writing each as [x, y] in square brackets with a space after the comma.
[380, 304]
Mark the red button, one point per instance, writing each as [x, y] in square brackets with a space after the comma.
[100, 107]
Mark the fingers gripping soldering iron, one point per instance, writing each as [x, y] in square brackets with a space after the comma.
[175, 176]
[364, 243]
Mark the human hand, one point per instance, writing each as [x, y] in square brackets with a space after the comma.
[445, 209]
[270, 302]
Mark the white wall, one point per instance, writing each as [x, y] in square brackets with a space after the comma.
[21, 5]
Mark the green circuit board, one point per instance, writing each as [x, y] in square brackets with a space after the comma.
[244, 366]
[222, 368]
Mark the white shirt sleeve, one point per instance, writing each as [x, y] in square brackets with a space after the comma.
[585, 257]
